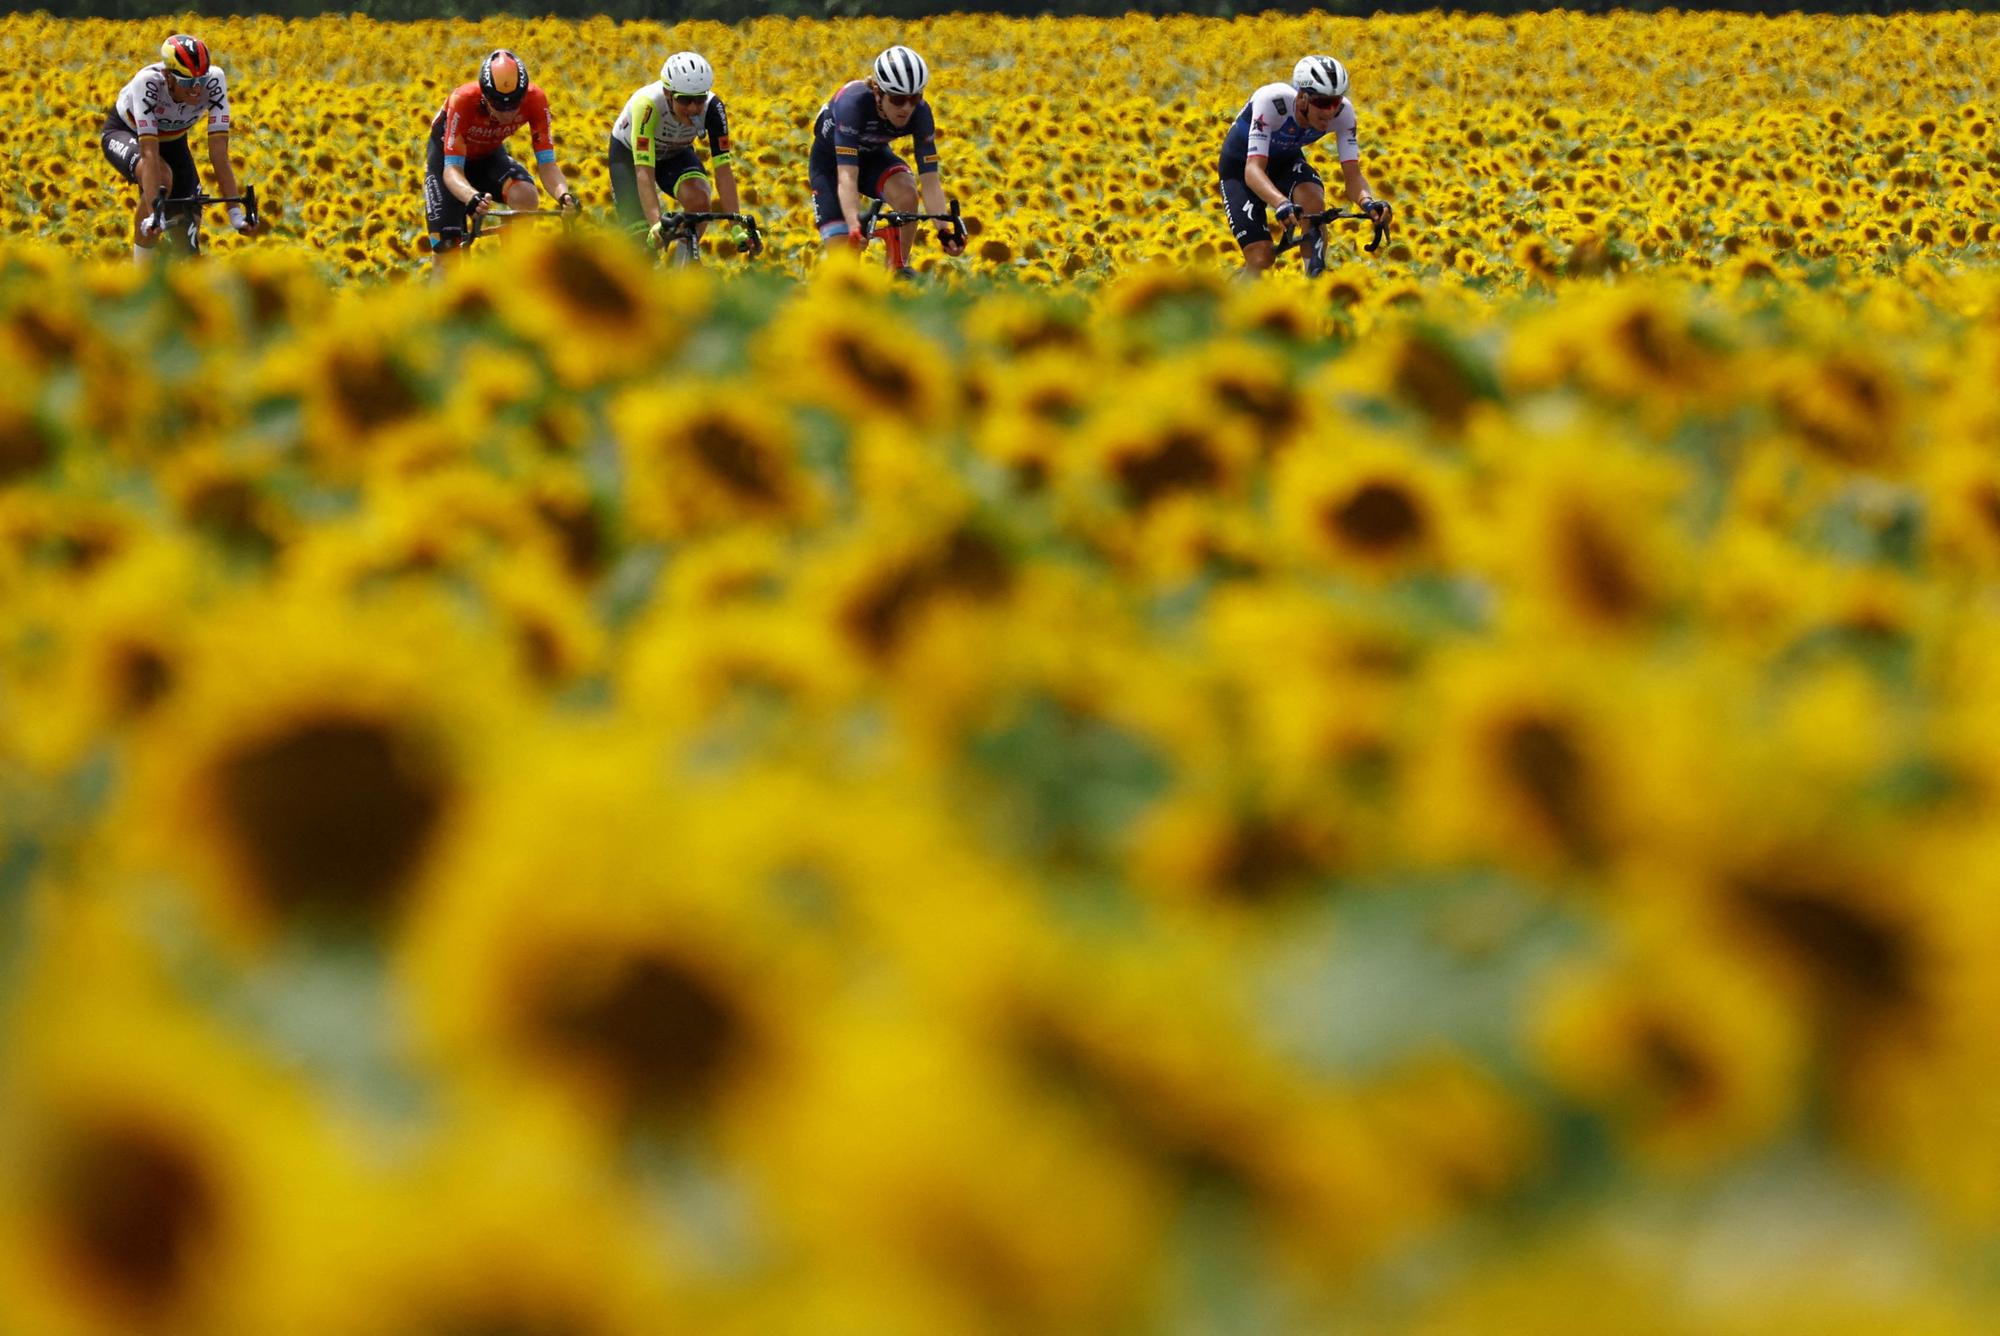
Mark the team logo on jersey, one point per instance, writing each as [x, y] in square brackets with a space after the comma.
[1258, 124]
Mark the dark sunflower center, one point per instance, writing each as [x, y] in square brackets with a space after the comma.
[371, 392]
[141, 676]
[885, 380]
[1427, 376]
[589, 287]
[1378, 516]
[1181, 462]
[1546, 765]
[735, 459]
[661, 1030]
[24, 448]
[135, 1209]
[333, 816]
[1600, 570]
[1862, 959]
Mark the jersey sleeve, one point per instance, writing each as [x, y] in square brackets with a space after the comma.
[218, 101]
[923, 138]
[1346, 142]
[717, 125]
[455, 113]
[541, 133]
[849, 112]
[1269, 108]
[642, 113]
[146, 92]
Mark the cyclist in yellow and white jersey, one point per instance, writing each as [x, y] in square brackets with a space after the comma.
[145, 134]
[652, 145]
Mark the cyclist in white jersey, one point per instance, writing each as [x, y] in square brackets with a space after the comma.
[145, 133]
[1263, 163]
[652, 145]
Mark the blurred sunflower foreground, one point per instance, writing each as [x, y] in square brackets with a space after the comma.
[1188, 808]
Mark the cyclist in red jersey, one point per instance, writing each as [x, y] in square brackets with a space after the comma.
[468, 169]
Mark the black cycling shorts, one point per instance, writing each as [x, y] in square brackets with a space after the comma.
[1247, 213]
[669, 170]
[120, 143]
[444, 212]
[877, 166]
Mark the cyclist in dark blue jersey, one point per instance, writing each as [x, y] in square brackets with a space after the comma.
[1263, 164]
[851, 155]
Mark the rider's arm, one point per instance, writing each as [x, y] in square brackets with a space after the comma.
[848, 182]
[720, 157]
[225, 173]
[541, 133]
[643, 115]
[1260, 184]
[154, 175]
[454, 178]
[1357, 184]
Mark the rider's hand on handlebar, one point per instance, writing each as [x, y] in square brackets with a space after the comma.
[740, 238]
[1379, 210]
[567, 202]
[952, 242]
[857, 239]
[479, 204]
[1287, 213]
[656, 235]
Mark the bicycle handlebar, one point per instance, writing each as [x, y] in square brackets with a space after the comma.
[164, 204]
[1312, 221]
[879, 214]
[682, 222]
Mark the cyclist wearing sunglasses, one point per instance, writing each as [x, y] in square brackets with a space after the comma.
[146, 132]
[652, 145]
[851, 156]
[1263, 164]
[467, 168]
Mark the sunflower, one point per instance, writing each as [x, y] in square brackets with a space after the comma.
[835, 352]
[1370, 506]
[1593, 547]
[463, 1240]
[701, 460]
[167, 1177]
[642, 997]
[313, 760]
[593, 308]
[1694, 1057]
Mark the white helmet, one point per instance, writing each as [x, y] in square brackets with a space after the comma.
[1320, 74]
[901, 70]
[687, 73]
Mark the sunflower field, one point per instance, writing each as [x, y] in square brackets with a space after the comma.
[1078, 795]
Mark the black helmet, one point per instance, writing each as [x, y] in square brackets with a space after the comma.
[503, 80]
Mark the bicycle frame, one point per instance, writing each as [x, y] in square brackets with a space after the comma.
[191, 206]
[499, 217]
[1313, 234]
[880, 215]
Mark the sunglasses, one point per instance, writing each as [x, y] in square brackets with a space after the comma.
[1323, 103]
[690, 99]
[183, 83]
[903, 99]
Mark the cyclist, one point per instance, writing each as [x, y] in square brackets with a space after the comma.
[467, 168]
[851, 157]
[653, 141]
[145, 133]
[1263, 163]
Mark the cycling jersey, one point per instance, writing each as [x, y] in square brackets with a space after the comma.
[1267, 128]
[467, 128]
[649, 126]
[850, 125]
[150, 111]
